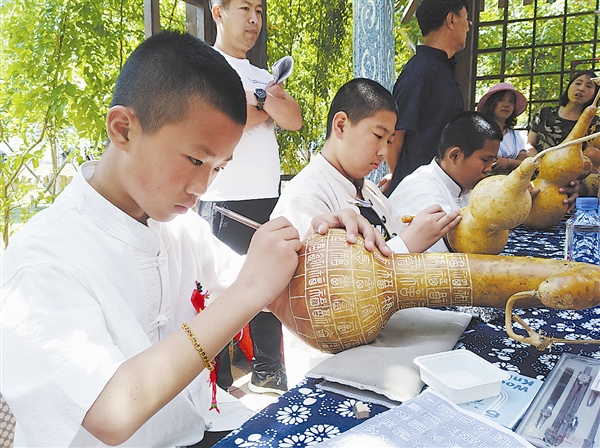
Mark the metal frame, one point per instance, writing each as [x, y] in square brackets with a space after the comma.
[540, 49]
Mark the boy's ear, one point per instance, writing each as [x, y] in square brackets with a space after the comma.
[119, 122]
[453, 154]
[340, 119]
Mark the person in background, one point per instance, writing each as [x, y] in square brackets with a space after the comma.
[503, 103]
[467, 150]
[551, 125]
[250, 184]
[101, 344]
[426, 92]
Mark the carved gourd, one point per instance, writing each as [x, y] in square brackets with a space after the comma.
[342, 295]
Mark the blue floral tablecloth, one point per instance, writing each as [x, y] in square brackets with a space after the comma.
[305, 415]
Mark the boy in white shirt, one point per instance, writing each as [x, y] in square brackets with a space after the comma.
[467, 150]
[96, 289]
[360, 129]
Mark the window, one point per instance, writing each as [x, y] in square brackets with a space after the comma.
[536, 47]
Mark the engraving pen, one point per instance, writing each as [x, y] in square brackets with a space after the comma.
[237, 217]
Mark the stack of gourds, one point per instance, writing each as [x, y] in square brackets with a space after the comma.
[500, 203]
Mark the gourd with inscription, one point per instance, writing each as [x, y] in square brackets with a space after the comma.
[342, 295]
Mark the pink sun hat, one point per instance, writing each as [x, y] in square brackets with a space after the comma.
[521, 102]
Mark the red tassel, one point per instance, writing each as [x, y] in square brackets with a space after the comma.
[213, 384]
[244, 341]
[198, 300]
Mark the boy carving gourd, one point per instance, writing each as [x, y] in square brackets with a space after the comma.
[342, 295]
[497, 204]
[558, 169]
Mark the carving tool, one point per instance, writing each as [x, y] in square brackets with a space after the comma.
[237, 217]
[546, 412]
[566, 420]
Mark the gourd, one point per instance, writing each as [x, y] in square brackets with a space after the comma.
[342, 295]
[497, 204]
[557, 169]
[592, 181]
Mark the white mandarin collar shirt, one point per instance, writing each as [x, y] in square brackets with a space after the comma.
[86, 287]
[426, 186]
[320, 188]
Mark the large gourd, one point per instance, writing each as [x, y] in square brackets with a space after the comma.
[497, 204]
[558, 169]
[342, 295]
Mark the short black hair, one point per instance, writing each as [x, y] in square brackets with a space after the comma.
[564, 98]
[469, 131]
[431, 14]
[360, 98]
[167, 71]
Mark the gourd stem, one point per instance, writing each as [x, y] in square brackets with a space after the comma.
[597, 94]
[565, 144]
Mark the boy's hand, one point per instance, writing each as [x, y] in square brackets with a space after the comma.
[354, 224]
[428, 227]
[271, 261]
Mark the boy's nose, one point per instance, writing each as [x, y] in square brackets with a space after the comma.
[200, 186]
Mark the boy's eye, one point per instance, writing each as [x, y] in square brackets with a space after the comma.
[219, 168]
[195, 161]
[378, 136]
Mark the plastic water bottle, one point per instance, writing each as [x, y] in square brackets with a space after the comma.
[582, 242]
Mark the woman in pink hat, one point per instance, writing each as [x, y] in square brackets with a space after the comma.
[504, 104]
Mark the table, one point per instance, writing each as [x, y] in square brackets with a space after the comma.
[306, 415]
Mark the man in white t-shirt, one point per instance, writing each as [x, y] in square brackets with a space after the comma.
[250, 183]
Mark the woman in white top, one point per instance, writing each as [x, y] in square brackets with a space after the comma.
[504, 104]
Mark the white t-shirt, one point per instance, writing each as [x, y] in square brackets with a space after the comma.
[86, 287]
[320, 188]
[511, 145]
[254, 171]
[428, 185]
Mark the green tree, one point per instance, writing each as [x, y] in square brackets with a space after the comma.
[60, 62]
[318, 35]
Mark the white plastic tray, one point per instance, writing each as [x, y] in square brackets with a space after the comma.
[461, 375]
